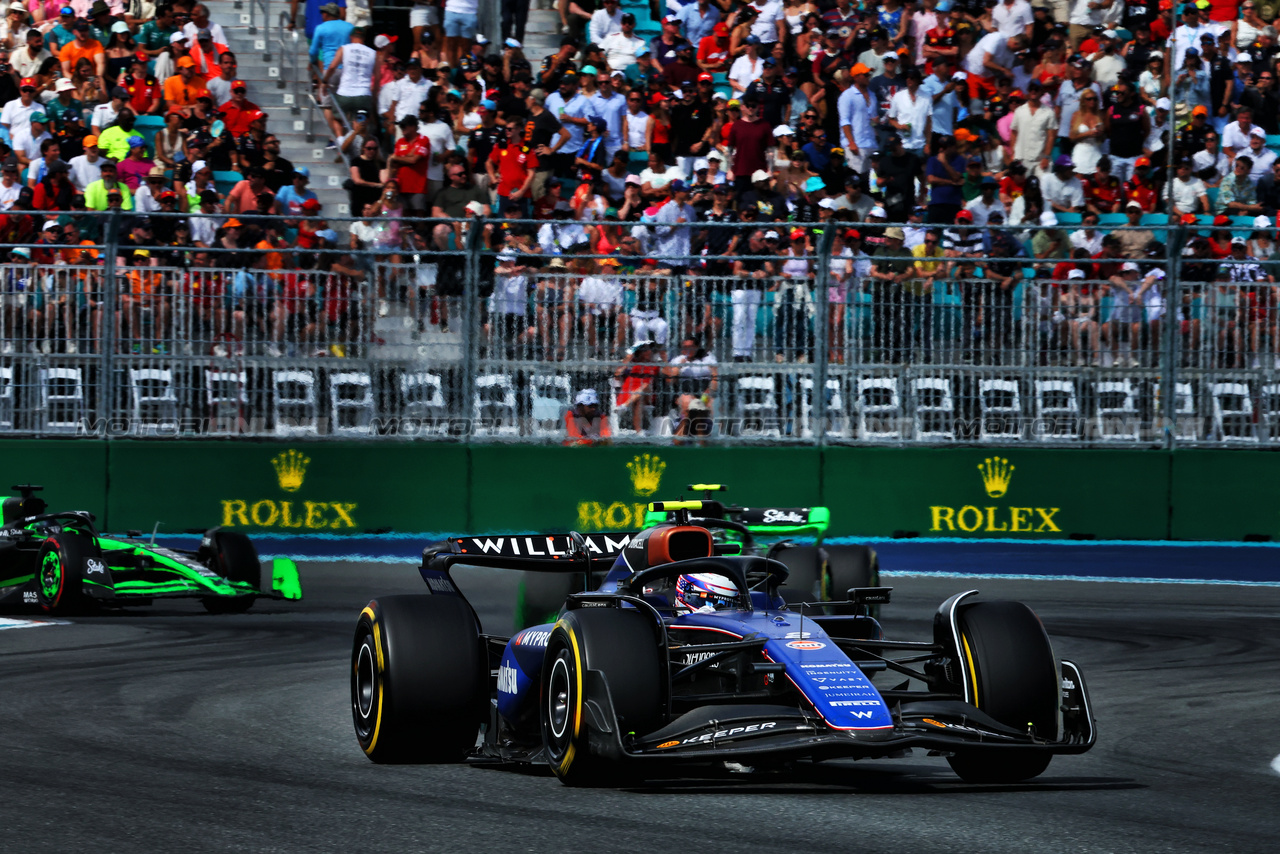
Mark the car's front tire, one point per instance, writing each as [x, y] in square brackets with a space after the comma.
[60, 572]
[622, 646]
[419, 679]
[1011, 674]
[235, 558]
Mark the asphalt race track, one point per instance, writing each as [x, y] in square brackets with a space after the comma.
[166, 729]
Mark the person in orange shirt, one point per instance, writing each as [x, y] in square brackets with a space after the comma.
[182, 89]
[84, 46]
[585, 424]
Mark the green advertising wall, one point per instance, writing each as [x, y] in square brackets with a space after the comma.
[348, 487]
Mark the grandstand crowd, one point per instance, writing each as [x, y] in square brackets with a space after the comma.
[643, 190]
[136, 109]
[991, 128]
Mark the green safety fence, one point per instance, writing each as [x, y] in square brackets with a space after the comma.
[356, 488]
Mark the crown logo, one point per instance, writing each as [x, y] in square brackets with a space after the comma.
[291, 468]
[646, 474]
[996, 474]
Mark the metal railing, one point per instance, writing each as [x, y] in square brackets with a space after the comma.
[259, 12]
[489, 329]
[288, 40]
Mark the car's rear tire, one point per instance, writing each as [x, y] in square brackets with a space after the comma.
[419, 679]
[235, 558]
[542, 594]
[1011, 675]
[60, 572]
[847, 567]
[622, 646]
[804, 581]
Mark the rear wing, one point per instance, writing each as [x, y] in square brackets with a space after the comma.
[572, 552]
[765, 521]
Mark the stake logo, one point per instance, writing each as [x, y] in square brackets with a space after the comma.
[997, 475]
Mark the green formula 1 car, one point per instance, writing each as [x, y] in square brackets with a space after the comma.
[819, 572]
[61, 563]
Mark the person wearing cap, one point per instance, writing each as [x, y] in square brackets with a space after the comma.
[97, 196]
[747, 67]
[1127, 127]
[1128, 295]
[65, 104]
[987, 202]
[1191, 84]
[1134, 240]
[622, 48]
[84, 46]
[28, 146]
[664, 48]
[857, 108]
[753, 269]
[1238, 194]
[585, 423]
[182, 90]
[891, 267]
[1187, 34]
[674, 228]
[104, 115]
[86, 167]
[10, 184]
[773, 95]
[17, 113]
[1062, 189]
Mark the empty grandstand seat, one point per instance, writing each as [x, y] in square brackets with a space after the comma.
[1110, 219]
[225, 182]
[836, 421]
[149, 126]
[1186, 423]
[756, 404]
[422, 400]
[226, 397]
[1116, 416]
[1057, 410]
[1068, 218]
[550, 395]
[1269, 411]
[1232, 412]
[351, 406]
[63, 404]
[293, 397]
[934, 408]
[494, 406]
[6, 398]
[879, 408]
[1000, 410]
[152, 398]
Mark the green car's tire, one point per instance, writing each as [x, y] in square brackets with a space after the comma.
[60, 572]
[236, 559]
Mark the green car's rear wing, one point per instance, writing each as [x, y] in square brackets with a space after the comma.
[768, 521]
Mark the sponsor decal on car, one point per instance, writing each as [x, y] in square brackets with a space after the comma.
[439, 585]
[798, 635]
[532, 637]
[806, 644]
[695, 657]
[732, 732]
[507, 679]
[855, 703]
[93, 566]
[553, 546]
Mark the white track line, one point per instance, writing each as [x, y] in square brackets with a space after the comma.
[6, 623]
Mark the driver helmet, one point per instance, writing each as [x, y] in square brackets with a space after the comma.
[703, 591]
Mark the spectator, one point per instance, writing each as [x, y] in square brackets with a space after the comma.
[584, 422]
[97, 195]
[291, 199]
[183, 89]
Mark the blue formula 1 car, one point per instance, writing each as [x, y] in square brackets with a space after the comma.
[687, 656]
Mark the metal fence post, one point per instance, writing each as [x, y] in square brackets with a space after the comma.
[106, 380]
[471, 317]
[821, 342]
[1173, 336]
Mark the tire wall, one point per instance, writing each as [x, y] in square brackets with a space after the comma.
[341, 488]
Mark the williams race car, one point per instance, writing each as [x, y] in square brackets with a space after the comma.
[686, 656]
[60, 562]
[821, 571]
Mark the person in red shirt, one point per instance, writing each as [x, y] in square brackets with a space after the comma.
[713, 50]
[1162, 26]
[146, 95]
[751, 136]
[409, 162]
[1139, 188]
[239, 112]
[1102, 190]
[511, 169]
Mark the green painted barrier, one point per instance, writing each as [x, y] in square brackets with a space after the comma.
[319, 488]
[413, 487]
[977, 492]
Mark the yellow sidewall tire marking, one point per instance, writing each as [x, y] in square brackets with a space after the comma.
[973, 673]
[377, 645]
